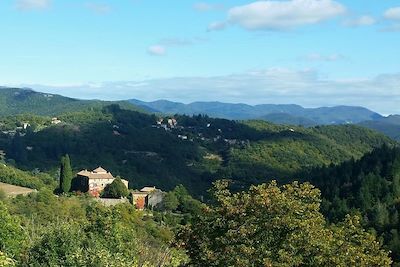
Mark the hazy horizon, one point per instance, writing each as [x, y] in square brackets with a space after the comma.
[306, 52]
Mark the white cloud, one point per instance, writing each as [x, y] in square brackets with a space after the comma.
[157, 50]
[280, 15]
[160, 49]
[204, 7]
[274, 85]
[216, 26]
[320, 57]
[32, 4]
[98, 8]
[392, 13]
[360, 21]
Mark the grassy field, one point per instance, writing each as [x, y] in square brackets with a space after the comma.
[12, 190]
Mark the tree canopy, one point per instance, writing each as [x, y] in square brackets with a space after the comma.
[277, 226]
[66, 174]
[116, 189]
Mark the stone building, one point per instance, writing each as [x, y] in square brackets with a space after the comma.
[95, 181]
[147, 197]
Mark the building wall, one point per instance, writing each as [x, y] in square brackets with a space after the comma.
[99, 183]
[155, 198]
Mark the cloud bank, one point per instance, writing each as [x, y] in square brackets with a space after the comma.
[283, 15]
[274, 85]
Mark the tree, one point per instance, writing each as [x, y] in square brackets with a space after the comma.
[11, 235]
[65, 174]
[276, 226]
[116, 189]
[170, 202]
[5, 261]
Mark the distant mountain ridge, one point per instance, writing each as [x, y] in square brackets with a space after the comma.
[389, 125]
[284, 113]
[14, 101]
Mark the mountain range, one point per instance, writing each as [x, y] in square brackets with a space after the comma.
[287, 114]
[15, 101]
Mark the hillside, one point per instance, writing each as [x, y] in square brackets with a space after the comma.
[15, 101]
[305, 116]
[370, 186]
[388, 125]
[195, 152]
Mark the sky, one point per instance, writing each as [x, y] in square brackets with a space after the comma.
[308, 52]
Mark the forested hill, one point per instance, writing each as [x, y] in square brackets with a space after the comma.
[370, 186]
[26, 101]
[388, 125]
[195, 152]
[283, 114]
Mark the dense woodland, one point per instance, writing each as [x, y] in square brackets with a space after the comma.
[128, 144]
[369, 187]
[356, 169]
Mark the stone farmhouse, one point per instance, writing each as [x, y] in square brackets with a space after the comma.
[147, 197]
[95, 181]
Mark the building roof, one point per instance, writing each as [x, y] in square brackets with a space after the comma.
[99, 170]
[138, 193]
[98, 173]
[148, 189]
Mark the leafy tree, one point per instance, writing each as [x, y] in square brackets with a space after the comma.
[5, 261]
[11, 235]
[276, 226]
[65, 174]
[116, 189]
[170, 201]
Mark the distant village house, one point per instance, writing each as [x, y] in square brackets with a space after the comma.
[95, 181]
[147, 197]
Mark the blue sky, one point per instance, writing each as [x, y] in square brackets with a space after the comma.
[308, 52]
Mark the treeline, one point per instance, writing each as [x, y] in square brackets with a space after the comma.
[370, 187]
[129, 144]
[14, 176]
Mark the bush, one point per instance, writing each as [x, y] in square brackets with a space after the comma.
[116, 189]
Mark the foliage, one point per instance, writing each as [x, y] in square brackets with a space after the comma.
[12, 175]
[130, 145]
[11, 236]
[170, 201]
[76, 231]
[65, 174]
[369, 186]
[3, 195]
[116, 189]
[276, 226]
[14, 101]
[5, 261]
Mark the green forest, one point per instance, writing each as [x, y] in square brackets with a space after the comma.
[238, 193]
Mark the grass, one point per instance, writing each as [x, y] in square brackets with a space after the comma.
[12, 190]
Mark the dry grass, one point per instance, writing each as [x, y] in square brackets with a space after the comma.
[12, 190]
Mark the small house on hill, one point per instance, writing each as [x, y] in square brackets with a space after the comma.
[95, 181]
[148, 197]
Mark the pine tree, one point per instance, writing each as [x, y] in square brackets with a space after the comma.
[65, 174]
